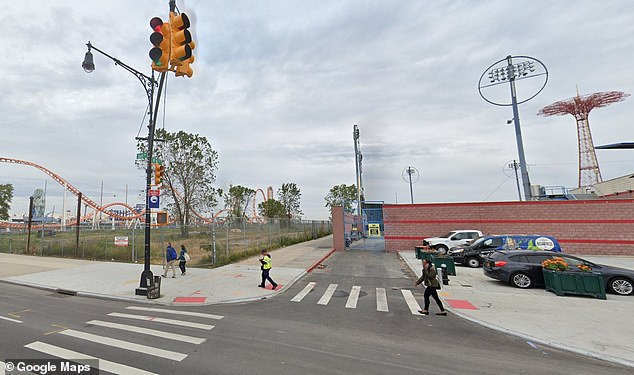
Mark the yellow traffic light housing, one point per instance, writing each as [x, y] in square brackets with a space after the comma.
[182, 45]
[159, 172]
[161, 40]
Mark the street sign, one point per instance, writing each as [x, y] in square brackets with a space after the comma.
[154, 193]
[143, 156]
[154, 201]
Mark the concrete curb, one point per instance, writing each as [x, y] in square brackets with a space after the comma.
[528, 338]
[311, 268]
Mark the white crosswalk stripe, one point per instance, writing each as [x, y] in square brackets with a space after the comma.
[163, 320]
[150, 332]
[126, 345]
[304, 292]
[353, 298]
[411, 301]
[382, 304]
[325, 298]
[2, 367]
[381, 300]
[112, 367]
[178, 312]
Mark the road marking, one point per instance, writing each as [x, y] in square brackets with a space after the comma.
[325, 298]
[166, 311]
[2, 365]
[169, 354]
[353, 297]
[411, 301]
[112, 367]
[163, 320]
[60, 328]
[11, 320]
[304, 292]
[381, 300]
[15, 314]
[151, 332]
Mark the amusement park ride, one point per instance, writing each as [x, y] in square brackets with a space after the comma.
[131, 214]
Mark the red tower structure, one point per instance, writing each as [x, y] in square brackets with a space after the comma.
[580, 107]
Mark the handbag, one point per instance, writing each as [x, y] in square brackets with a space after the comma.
[187, 257]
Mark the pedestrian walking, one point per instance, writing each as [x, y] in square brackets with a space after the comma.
[431, 288]
[266, 266]
[170, 256]
[183, 257]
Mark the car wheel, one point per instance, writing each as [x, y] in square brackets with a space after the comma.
[473, 262]
[521, 280]
[622, 286]
[442, 249]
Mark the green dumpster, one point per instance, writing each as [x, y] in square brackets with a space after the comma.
[447, 261]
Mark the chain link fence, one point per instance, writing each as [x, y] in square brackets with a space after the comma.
[207, 244]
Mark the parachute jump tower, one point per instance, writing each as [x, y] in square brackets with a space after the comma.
[580, 107]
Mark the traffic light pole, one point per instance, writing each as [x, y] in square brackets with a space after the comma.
[148, 84]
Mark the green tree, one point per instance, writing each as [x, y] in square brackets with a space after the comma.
[236, 200]
[272, 208]
[6, 195]
[190, 166]
[289, 195]
[342, 195]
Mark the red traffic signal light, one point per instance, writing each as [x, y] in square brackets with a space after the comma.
[160, 39]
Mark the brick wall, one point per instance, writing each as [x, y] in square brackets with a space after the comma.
[598, 227]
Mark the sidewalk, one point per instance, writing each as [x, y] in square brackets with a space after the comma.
[602, 329]
[231, 283]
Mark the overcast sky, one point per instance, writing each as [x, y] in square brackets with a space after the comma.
[278, 86]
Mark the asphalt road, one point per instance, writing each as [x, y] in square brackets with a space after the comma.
[279, 335]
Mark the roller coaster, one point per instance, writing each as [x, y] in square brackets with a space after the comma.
[132, 214]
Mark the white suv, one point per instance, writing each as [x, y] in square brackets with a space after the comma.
[452, 239]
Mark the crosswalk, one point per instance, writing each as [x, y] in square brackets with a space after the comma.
[381, 294]
[157, 324]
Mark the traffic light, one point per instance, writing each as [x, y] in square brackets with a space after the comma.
[159, 171]
[184, 69]
[160, 38]
[182, 44]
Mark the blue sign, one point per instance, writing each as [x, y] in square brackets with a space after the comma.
[154, 202]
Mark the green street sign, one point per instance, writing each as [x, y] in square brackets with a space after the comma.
[141, 156]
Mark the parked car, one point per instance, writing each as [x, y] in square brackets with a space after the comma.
[473, 254]
[452, 239]
[523, 269]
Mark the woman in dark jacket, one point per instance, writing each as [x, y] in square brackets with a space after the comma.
[182, 260]
[431, 287]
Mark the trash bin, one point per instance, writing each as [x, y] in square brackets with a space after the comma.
[447, 261]
[424, 252]
[154, 288]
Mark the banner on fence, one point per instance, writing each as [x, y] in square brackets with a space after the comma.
[121, 241]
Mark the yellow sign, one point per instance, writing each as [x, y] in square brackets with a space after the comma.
[374, 230]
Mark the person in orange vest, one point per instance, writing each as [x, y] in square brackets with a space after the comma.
[266, 266]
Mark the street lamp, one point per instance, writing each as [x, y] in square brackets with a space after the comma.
[148, 84]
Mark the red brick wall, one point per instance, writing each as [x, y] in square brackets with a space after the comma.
[598, 227]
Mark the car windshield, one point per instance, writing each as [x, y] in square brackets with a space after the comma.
[476, 241]
[447, 235]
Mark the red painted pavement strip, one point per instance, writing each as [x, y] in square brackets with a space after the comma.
[460, 304]
[270, 287]
[190, 299]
